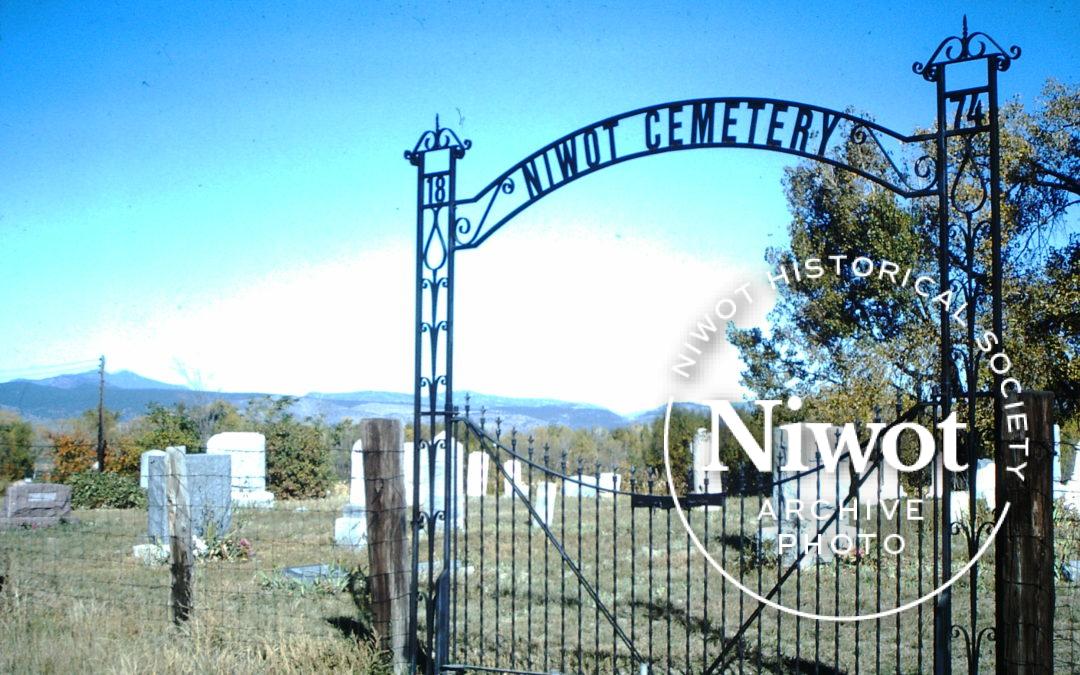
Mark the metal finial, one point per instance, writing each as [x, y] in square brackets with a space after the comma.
[965, 35]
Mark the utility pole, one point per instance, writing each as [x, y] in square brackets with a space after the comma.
[101, 416]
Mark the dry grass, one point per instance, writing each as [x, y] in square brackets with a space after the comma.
[75, 600]
[537, 618]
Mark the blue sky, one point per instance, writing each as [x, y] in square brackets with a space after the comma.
[216, 194]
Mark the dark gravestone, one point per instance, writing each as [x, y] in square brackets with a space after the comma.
[209, 489]
[36, 504]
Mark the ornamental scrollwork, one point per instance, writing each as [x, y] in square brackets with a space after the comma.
[439, 138]
[965, 47]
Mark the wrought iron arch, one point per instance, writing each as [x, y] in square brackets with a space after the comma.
[774, 125]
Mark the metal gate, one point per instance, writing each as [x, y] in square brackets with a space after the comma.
[606, 584]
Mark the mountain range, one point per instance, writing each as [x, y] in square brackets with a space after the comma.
[66, 396]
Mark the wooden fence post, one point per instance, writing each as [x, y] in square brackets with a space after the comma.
[1024, 566]
[182, 556]
[382, 443]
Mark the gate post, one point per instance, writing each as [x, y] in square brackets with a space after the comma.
[967, 110]
[382, 442]
[1024, 565]
[435, 157]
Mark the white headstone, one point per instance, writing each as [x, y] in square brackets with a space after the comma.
[248, 453]
[985, 482]
[544, 502]
[580, 485]
[457, 456]
[356, 475]
[144, 466]
[1056, 471]
[829, 487]
[959, 505]
[608, 482]
[514, 470]
[351, 528]
[881, 483]
[476, 482]
[705, 482]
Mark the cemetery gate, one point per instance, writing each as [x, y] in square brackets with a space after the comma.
[582, 568]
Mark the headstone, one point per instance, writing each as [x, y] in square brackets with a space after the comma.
[580, 485]
[248, 452]
[1069, 488]
[514, 470]
[830, 487]
[544, 502]
[609, 484]
[1056, 475]
[705, 482]
[937, 481]
[36, 505]
[151, 554]
[310, 574]
[351, 528]
[959, 505]
[476, 482]
[818, 493]
[144, 466]
[881, 483]
[985, 482]
[457, 456]
[209, 489]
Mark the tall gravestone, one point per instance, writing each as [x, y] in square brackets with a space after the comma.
[544, 502]
[818, 493]
[476, 482]
[209, 482]
[351, 528]
[144, 466]
[514, 470]
[705, 482]
[438, 485]
[882, 483]
[248, 453]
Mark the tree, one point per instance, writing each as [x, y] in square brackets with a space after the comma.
[162, 427]
[16, 447]
[851, 346]
[298, 461]
[74, 446]
[216, 417]
[682, 427]
[1046, 174]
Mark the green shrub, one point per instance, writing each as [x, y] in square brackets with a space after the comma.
[16, 451]
[93, 490]
[298, 459]
[298, 464]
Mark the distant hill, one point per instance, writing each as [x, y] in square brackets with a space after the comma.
[67, 396]
[121, 379]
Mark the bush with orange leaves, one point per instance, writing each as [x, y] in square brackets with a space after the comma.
[74, 453]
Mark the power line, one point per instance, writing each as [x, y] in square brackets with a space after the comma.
[45, 370]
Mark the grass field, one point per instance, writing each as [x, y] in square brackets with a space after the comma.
[75, 600]
[504, 605]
